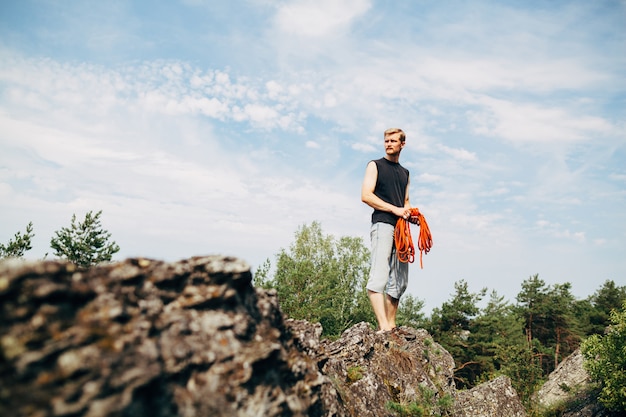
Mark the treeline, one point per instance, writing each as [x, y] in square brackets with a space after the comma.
[322, 279]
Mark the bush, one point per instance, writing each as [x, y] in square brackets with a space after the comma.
[605, 360]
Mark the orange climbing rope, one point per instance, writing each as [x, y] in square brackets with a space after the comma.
[404, 242]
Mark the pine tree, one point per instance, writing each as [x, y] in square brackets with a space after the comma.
[531, 307]
[84, 243]
[551, 327]
[450, 326]
[608, 298]
[563, 334]
[20, 243]
[495, 328]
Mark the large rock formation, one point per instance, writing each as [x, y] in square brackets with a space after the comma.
[567, 379]
[146, 338]
[569, 388]
[374, 372]
[194, 338]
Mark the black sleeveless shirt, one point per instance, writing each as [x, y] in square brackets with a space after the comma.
[391, 185]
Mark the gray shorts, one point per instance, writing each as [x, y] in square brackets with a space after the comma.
[386, 270]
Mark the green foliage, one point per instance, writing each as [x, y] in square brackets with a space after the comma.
[411, 409]
[409, 312]
[495, 328]
[523, 367]
[550, 323]
[427, 405]
[20, 243]
[321, 279]
[450, 326]
[594, 312]
[563, 336]
[84, 243]
[355, 373]
[605, 360]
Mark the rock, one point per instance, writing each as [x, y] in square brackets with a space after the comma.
[494, 398]
[373, 372]
[567, 379]
[147, 338]
[306, 336]
[570, 384]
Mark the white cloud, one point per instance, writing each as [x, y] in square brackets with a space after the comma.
[428, 178]
[274, 89]
[318, 18]
[364, 147]
[459, 154]
[526, 122]
[556, 230]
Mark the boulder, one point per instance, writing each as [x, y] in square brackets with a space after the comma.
[569, 388]
[493, 398]
[148, 338]
[564, 382]
[376, 373]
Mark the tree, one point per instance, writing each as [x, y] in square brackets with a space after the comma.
[562, 331]
[532, 306]
[497, 327]
[609, 297]
[593, 312]
[551, 326]
[410, 312]
[20, 243]
[522, 365]
[321, 279]
[500, 340]
[450, 326]
[84, 243]
[605, 360]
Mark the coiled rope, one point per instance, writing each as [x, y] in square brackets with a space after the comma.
[405, 249]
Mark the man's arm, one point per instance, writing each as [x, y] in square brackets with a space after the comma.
[407, 204]
[372, 200]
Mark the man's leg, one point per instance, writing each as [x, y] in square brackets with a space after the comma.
[382, 242]
[396, 286]
[379, 305]
[391, 308]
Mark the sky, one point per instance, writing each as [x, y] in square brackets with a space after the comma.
[220, 127]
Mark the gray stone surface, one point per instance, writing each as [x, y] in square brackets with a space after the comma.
[494, 398]
[568, 378]
[147, 338]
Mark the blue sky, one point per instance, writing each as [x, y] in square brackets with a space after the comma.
[204, 127]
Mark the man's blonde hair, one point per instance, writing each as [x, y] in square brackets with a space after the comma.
[395, 130]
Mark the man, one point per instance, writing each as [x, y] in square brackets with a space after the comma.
[386, 189]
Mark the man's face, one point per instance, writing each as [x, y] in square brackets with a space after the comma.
[393, 146]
